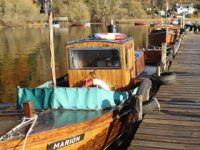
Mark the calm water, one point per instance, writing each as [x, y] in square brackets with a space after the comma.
[25, 57]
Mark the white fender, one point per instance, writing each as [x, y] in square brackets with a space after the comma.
[101, 84]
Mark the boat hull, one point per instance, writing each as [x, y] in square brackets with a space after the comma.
[80, 24]
[157, 38]
[97, 133]
[140, 23]
[152, 57]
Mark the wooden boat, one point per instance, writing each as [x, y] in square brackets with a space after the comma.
[140, 23]
[170, 27]
[163, 34]
[152, 57]
[157, 37]
[56, 24]
[99, 99]
[82, 24]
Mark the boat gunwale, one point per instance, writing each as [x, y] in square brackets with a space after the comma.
[162, 32]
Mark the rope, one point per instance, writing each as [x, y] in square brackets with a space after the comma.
[12, 133]
[34, 119]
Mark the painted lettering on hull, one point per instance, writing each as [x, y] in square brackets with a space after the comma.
[65, 142]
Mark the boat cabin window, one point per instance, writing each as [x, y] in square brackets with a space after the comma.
[126, 55]
[94, 58]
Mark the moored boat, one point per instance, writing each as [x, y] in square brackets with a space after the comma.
[140, 23]
[99, 99]
[56, 24]
[163, 34]
[82, 24]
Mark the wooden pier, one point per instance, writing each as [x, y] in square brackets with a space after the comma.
[177, 125]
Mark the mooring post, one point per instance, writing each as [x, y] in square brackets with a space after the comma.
[47, 8]
[183, 21]
[28, 109]
[51, 41]
[174, 49]
[158, 70]
[138, 116]
[164, 56]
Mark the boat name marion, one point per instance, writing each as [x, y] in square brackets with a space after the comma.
[66, 142]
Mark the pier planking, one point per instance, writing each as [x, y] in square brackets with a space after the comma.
[177, 125]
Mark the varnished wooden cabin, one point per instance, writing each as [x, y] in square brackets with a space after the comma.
[84, 118]
[111, 61]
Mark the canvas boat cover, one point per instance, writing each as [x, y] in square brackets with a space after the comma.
[71, 98]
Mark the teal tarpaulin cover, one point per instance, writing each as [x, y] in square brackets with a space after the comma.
[70, 98]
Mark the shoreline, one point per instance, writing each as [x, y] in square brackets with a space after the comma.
[33, 25]
[151, 20]
[127, 21]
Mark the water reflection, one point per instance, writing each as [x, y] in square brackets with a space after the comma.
[139, 33]
[25, 57]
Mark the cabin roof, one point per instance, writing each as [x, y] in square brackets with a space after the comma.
[92, 39]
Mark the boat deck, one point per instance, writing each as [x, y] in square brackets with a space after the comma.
[49, 120]
[177, 125]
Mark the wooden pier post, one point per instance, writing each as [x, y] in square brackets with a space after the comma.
[138, 115]
[174, 50]
[177, 45]
[164, 56]
[158, 70]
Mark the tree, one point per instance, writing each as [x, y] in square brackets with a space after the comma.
[75, 10]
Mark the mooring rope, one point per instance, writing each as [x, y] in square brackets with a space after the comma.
[25, 121]
[34, 119]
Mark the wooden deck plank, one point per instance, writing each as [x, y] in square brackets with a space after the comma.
[177, 125]
[188, 133]
[145, 148]
[164, 145]
[169, 127]
[170, 139]
[174, 117]
[173, 122]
